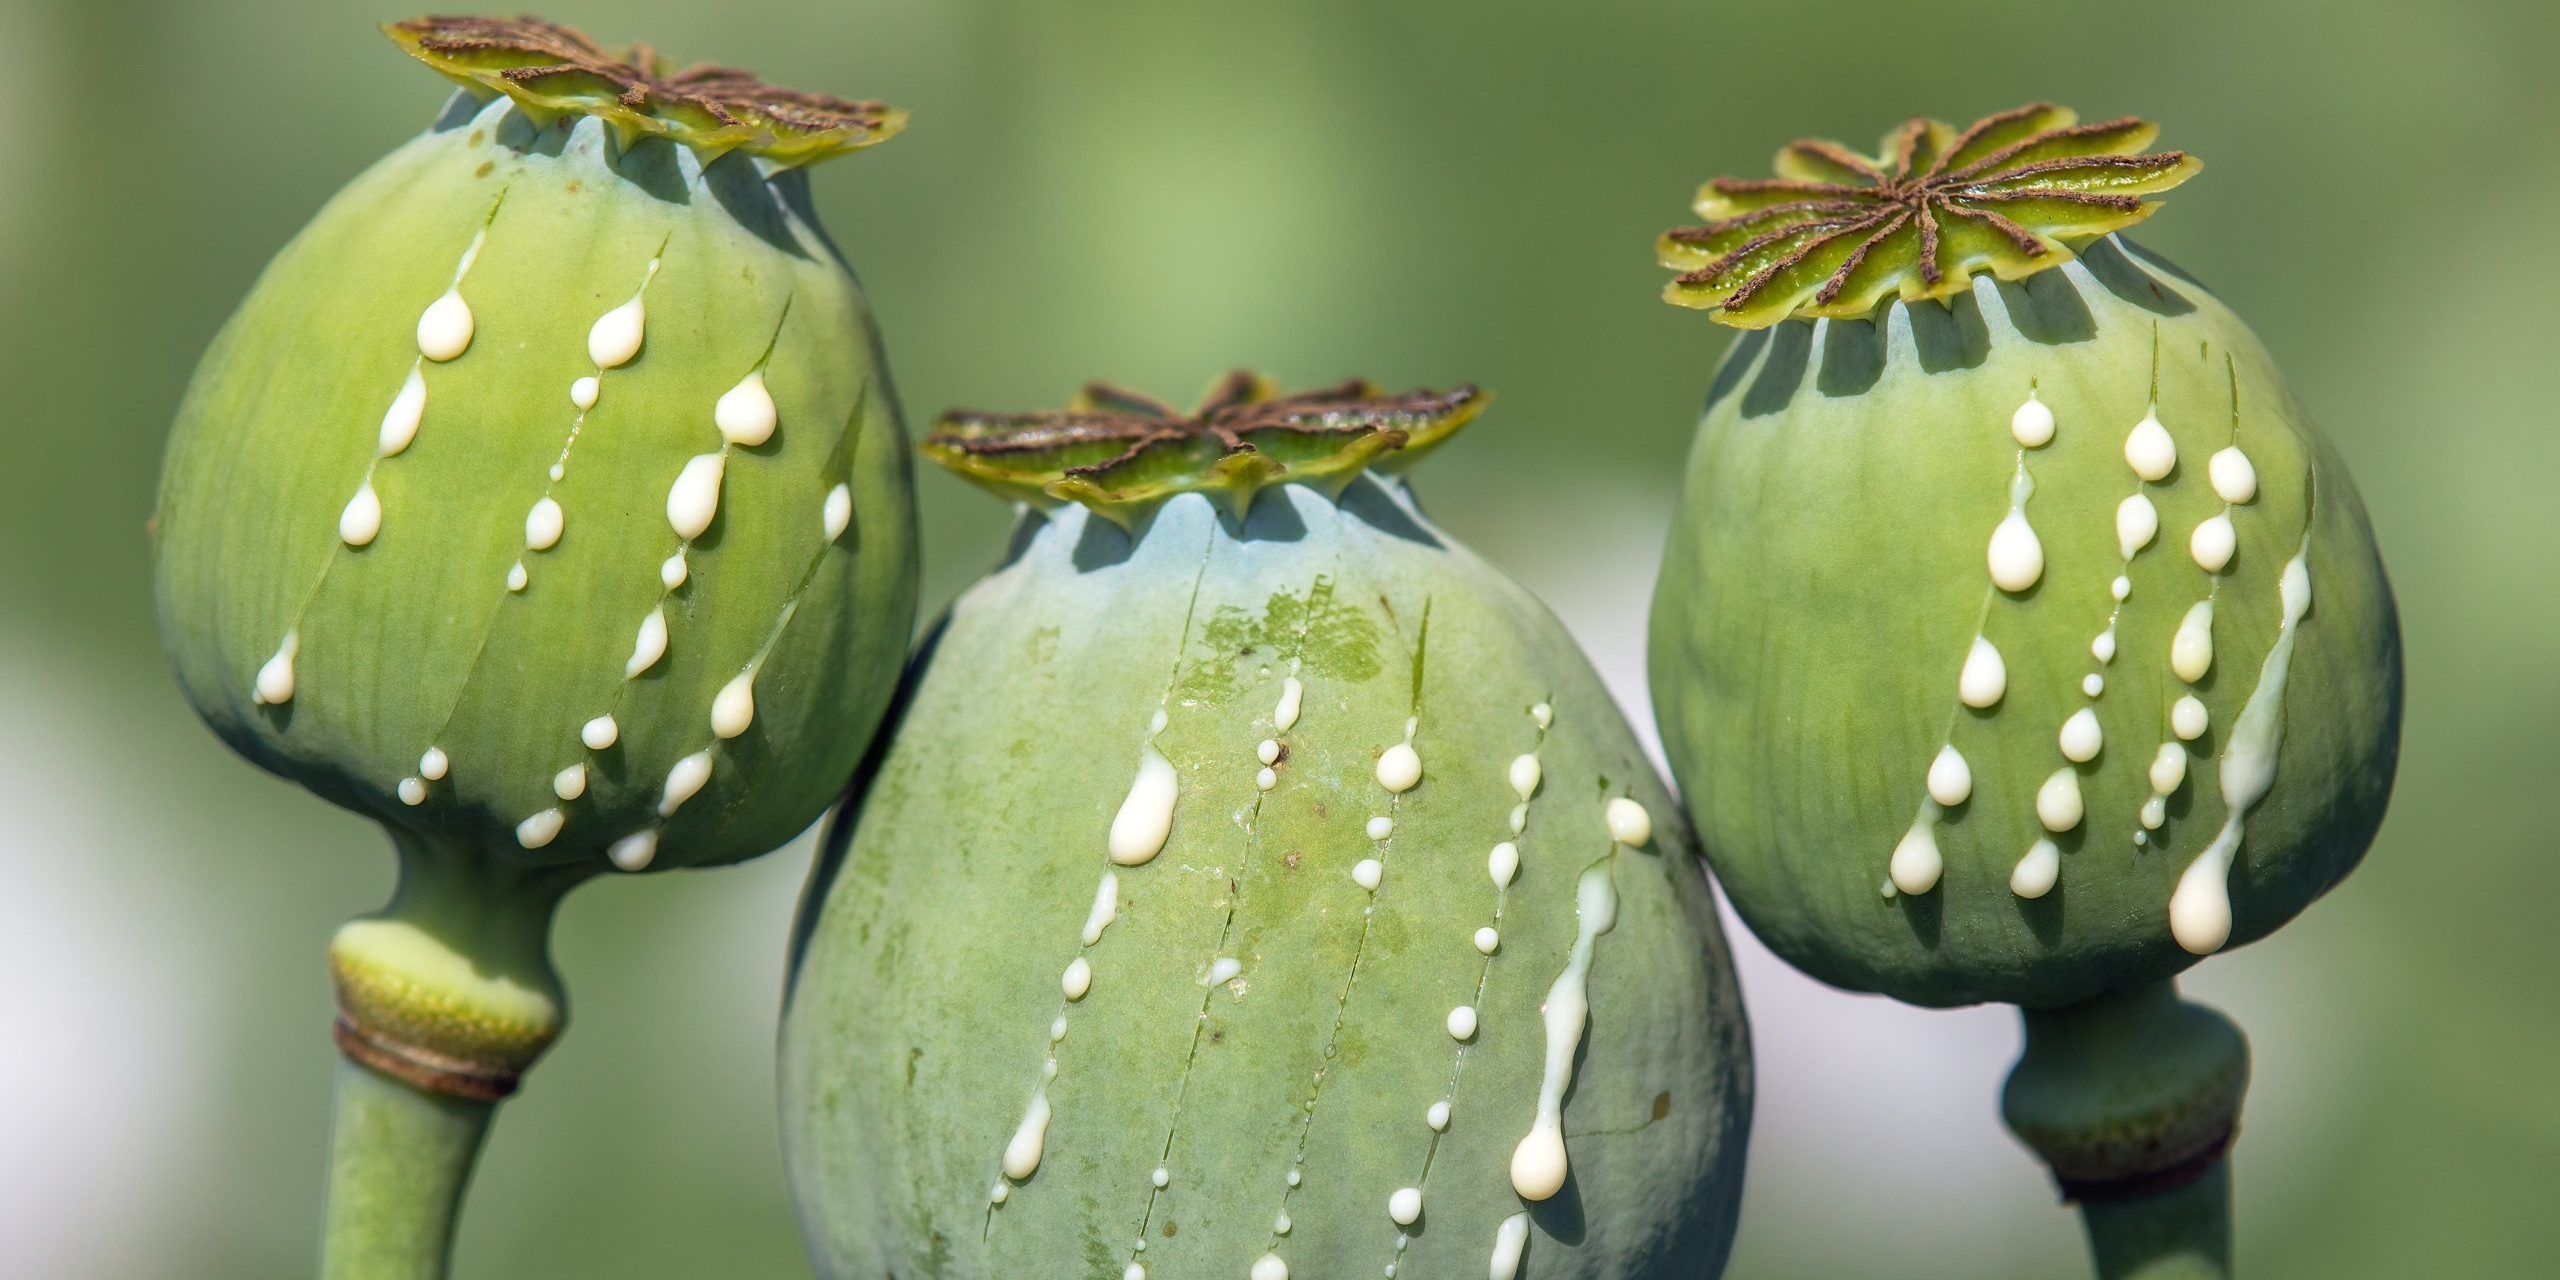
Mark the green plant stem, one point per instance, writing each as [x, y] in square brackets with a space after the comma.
[445, 998]
[2132, 1098]
[480, 906]
[2180, 1234]
[399, 1158]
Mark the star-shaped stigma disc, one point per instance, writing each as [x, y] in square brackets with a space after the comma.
[1836, 232]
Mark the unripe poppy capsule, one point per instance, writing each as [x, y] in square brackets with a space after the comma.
[546, 502]
[2018, 640]
[1256, 883]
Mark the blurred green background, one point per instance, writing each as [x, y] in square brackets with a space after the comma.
[1426, 192]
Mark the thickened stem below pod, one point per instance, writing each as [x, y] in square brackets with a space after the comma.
[445, 998]
[2132, 1098]
[399, 1157]
[450, 987]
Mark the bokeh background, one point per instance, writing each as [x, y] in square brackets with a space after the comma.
[1426, 192]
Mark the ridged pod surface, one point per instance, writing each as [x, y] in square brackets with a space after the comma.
[547, 495]
[1254, 896]
[546, 501]
[2019, 641]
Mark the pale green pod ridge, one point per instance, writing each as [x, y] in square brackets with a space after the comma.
[1260, 895]
[523, 454]
[2018, 640]
[546, 500]
[2023, 641]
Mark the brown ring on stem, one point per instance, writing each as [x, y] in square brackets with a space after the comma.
[2150, 1182]
[425, 1068]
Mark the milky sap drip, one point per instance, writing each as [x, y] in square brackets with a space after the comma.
[694, 498]
[362, 520]
[2032, 424]
[2191, 649]
[1916, 863]
[444, 332]
[2149, 450]
[1106, 909]
[400, 421]
[2235, 481]
[2234, 477]
[2036, 873]
[2137, 523]
[2212, 544]
[2016, 555]
[735, 706]
[634, 852]
[2058, 803]
[1138, 833]
[614, 339]
[1985, 678]
[1030, 1139]
[2015, 560]
[649, 645]
[1950, 778]
[446, 326]
[540, 829]
[1284, 715]
[835, 515]
[544, 524]
[1510, 1241]
[685, 780]
[2200, 908]
[274, 684]
[1539, 1163]
[1399, 768]
[1224, 972]
[1145, 818]
[2081, 737]
[2167, 773]
[2152, 455]
[745, 414]
[1629, 825]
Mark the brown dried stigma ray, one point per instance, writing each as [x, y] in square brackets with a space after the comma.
[553, 71]
[1122, 453]
[1837, 232]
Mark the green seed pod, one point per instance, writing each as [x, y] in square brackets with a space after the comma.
[2018, 639]
[546, 501]
[1256, 888]
[2130, 741]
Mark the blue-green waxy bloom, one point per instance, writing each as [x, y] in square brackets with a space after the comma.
[1256, 884]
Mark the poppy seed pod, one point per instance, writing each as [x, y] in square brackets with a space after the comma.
[546, 502]
[1986, 647]
[1256, 883]
[2017, 640]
